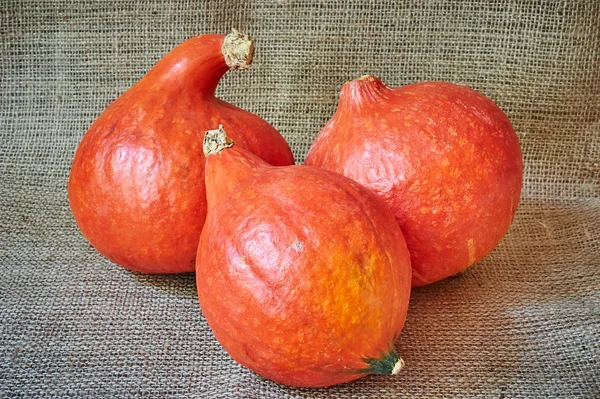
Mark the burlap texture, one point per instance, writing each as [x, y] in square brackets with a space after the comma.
[524, 322]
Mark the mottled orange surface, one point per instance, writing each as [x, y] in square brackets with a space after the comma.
[302, 274]
[136, 186]
[444, 158]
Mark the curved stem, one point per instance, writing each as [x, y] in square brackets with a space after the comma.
[199, 63]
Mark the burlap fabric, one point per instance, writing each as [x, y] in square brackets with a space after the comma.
[524, 322]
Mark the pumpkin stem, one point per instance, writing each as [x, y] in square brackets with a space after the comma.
[367, 88]
[238, 50]
[360, 93]
[388, 364]
[215, 141]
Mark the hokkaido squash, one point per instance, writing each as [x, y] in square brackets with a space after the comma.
[136, 186]
[302, 274]
[444, 158]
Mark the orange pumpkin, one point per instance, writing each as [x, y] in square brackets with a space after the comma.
[136, 186]
[302, 274]
[444, 158]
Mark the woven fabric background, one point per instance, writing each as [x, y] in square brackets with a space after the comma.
[524, 322]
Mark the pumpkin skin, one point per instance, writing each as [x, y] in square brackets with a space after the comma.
[136, 186]
[444, 158]
[302, 274]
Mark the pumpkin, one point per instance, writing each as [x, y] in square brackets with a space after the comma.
[136, 186]
[303, 275]
[444, 158]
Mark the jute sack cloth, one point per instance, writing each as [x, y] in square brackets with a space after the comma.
[524, 322]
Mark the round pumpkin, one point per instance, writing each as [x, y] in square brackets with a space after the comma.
[444, 158]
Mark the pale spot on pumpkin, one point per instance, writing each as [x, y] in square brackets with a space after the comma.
[471, 248]
[424, 209]
[298, 246]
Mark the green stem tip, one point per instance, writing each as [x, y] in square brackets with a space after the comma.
[388, 364]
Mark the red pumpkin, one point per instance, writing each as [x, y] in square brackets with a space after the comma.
[136, 186]
[444, 158]
[302, 274]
